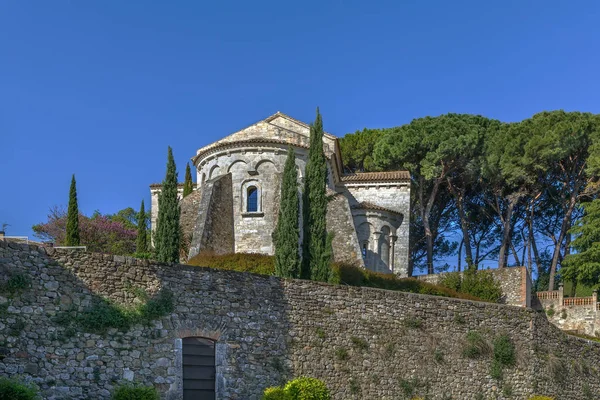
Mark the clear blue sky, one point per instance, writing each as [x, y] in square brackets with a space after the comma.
[100, 88]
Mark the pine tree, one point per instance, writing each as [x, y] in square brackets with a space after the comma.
[188, 185]
[142, 240]
[72, 238]
[167, 224]
[287, 233]
[316, 252]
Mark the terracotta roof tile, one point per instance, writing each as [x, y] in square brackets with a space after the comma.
[388, 176]
[236, 143]
[365, 205]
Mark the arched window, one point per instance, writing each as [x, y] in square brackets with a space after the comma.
[252, 199]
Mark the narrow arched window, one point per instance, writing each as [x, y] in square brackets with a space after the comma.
[252, 200]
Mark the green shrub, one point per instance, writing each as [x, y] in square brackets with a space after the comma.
[475, 345]
[359, 343]
[275, 393]
[541, 398]
[304, 388]
[12, 389]
[355, 276]
[550, 311]
[479, 284]
[103, 315]
[135, 393]
[241, 262]
[15, 283]
[504, 351]
[341, 354]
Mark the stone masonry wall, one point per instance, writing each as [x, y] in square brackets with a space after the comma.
[514, 281]
[213, 230]
[364, 343]
[345, 243]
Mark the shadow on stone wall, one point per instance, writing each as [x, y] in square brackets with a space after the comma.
[364, 343]
[51, 338]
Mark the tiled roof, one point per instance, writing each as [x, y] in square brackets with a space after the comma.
[242, 142]
[365, 205]
[388, 176]
[179, 185]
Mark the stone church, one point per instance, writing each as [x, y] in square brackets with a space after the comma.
[234, 206]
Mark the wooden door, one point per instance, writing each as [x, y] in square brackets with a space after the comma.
[198, 369]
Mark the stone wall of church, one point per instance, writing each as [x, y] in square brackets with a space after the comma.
[345, 242]
[391, 196]
[363, 343]
[259, 168]
[214, 229]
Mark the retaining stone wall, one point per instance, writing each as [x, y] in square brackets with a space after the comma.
[515, 283]
[364, 343]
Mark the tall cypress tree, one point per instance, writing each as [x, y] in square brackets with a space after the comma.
[188, 185]
[287, 233]
[141, 241]
[72, 238]
[167, 235]
[315, 254]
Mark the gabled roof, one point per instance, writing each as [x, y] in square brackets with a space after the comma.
[278, 128]
[388, 176]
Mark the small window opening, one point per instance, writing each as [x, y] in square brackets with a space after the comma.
[364, 251]
[252, 204]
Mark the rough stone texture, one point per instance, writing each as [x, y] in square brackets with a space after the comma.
[364, 343]
[345, 242]
[255, 157]
[379, 230]
[214, 230]
[514, 281]
[189, 213]
[578, 314]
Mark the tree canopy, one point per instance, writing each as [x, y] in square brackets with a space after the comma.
[485, 190]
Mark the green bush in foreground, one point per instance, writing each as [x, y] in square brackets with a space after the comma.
[302, 388]
[479, 284]
[11, 389]
[241, 262]
[356, 276]
[135, 393]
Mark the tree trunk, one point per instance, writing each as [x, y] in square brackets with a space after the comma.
[460, 255]
[465, 231]
[425, 212]
[506, 230]
[564, 227]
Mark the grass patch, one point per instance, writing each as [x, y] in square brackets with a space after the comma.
[475, 346]
[15, 390]
[344, 274]
[341, 354]
[412, 322]
[320, 333]
[241, 262]
[359, 343]
[356, 276]
[104, 315]
[15, 283]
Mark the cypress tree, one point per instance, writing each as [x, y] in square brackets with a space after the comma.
[142, 235]
[287, 233]
[72, 237]
[315, 252]
[188, 185]
[167, 235]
